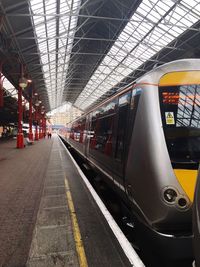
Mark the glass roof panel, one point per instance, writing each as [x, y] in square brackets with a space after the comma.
[39, 20]
[10, 88]
[52, 48]
[152, 27]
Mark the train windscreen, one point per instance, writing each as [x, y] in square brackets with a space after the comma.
[180, 111]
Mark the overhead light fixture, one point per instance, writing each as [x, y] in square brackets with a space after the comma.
[29, 81]
[23, 82]
[35, 93]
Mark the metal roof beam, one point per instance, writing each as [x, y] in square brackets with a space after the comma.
[15, 6]
[57, 46]
[129, 53]
[68, 14]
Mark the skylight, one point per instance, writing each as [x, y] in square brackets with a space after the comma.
[50, 22]
[154, 25]
[10, 88]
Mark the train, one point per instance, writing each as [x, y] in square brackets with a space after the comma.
[145, 143]
[196, 222]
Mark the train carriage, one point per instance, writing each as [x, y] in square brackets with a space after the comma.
[145, 141]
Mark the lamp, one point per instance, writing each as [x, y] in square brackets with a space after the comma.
[23, 82]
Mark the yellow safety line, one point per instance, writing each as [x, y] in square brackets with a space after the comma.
[77, 235]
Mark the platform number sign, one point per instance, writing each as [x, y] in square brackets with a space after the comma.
[169, 116]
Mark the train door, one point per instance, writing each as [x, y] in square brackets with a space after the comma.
[101, 145]
[87, 135]
[127, 109]
[135, 98]
[121, 132]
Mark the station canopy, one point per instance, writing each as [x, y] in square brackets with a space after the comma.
[82, 51]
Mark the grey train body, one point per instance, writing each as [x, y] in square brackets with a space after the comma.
[147, 169]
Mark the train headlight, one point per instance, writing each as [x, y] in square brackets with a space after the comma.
[169, 195]
[182, 202]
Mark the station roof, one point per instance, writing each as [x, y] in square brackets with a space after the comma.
[82, 51]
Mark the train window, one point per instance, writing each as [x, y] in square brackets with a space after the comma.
[104, 135]
[77, 131]
[72, 131]
[180, 111]
[135, 98]
[93, 130]
[102, 129]
[82, 130]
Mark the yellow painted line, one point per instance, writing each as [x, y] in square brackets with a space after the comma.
[76, 231]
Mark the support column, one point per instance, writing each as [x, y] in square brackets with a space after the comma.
[40, 129]
[36, 126]
[30, 135]
[40, 125]
[43, 125]
[20, 136]
[36, 133]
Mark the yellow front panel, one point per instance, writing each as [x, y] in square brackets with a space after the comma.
[187, 179]
[180, 78]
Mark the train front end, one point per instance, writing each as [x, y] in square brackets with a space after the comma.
[179, 94]
[164, 154]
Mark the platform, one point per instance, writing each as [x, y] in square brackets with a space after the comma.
[38, 226]
[22, 173]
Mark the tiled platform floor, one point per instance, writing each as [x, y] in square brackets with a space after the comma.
[22, 173]
[35, 224]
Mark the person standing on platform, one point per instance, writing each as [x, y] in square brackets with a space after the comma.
[49, 135]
